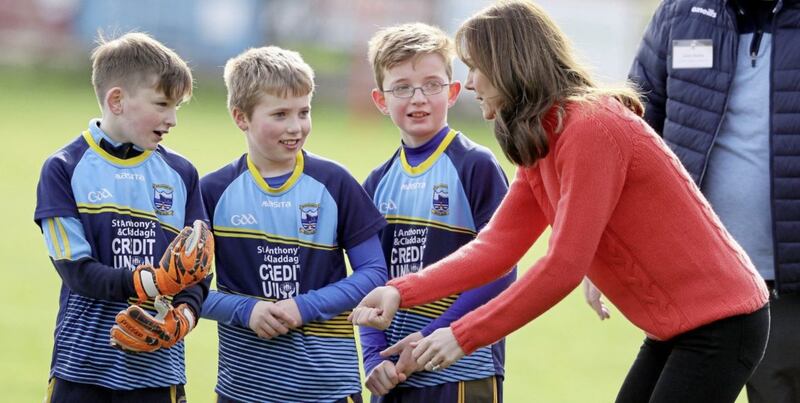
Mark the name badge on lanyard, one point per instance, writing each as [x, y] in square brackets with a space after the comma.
[692, 53]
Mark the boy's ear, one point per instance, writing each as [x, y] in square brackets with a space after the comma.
[380, 101]
[240, 118]
[452, 95]
[113, 100]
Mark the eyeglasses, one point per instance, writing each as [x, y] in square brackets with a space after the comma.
[407, 91]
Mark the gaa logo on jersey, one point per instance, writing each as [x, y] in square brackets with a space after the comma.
[99, 195]
[309, 215]
[162, 199]
[441, 200]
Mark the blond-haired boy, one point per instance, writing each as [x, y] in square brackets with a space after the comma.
[282, 218]
[436, 191]
[109, 203]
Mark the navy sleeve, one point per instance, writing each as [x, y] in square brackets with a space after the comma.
[649, 69]
[371, 183]
[369, 271]
[213, 185]
[373, 341]
[195, 295]
[194, 202]
[54, 197]
[485, 184]
[209, 199]
[89, 278]
[358, 218]
[230, 309]
[72, 257]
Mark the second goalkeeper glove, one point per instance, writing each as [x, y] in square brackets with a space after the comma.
[137, 331]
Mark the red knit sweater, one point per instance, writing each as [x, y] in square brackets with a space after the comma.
[625, 213]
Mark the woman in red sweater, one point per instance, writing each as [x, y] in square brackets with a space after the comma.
[623, 212]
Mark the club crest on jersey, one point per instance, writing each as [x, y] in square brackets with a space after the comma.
[162, 199]
[309, 215]
[441, 200]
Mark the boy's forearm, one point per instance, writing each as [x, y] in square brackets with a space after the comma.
[369, 271]
[469, 300]
[233, 310]
[335, 298]
[373, 341]
[90, 278]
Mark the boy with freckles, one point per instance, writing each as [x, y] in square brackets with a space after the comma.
[282, 218]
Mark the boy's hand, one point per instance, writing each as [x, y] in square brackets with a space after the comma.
[377, 309]
[269, 320]
[406, 364]
[289, 306]
[137, 331]
[186, 262]
[383, 378]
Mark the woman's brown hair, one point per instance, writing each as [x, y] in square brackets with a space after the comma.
[530, 62]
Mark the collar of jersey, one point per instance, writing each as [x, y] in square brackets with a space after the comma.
[112, 159]
[431, 159]
[298, 170]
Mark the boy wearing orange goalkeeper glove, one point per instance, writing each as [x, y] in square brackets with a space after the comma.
[186, 262]
[110, 203]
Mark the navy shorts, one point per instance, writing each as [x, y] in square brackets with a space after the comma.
[354, 398]
[486, 390]
[62, 391]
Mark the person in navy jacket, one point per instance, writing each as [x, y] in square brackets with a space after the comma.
[721, 83]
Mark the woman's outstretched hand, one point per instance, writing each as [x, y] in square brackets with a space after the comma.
[377, 309]
[437, 351]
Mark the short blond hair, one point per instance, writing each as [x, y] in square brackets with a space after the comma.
[266, 70]
[397, 44]
[133, 60]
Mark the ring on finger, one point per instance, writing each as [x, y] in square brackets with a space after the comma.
[430, 366]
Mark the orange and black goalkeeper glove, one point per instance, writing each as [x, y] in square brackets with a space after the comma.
[186, 262]
[137, 331]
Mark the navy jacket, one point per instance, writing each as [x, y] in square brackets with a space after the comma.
[686, 106]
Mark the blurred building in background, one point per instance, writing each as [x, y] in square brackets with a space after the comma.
[331, 34]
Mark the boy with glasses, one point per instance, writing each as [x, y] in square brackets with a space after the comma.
[436, 191]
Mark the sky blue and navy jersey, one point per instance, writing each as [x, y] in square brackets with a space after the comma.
[99, 210]
[432, 209]
[279, 243]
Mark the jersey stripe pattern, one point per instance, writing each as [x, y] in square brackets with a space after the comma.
[122, 213]
[277, 243]
[432, 212]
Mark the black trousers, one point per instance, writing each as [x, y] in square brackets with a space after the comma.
[708, 364]
[777, 378]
